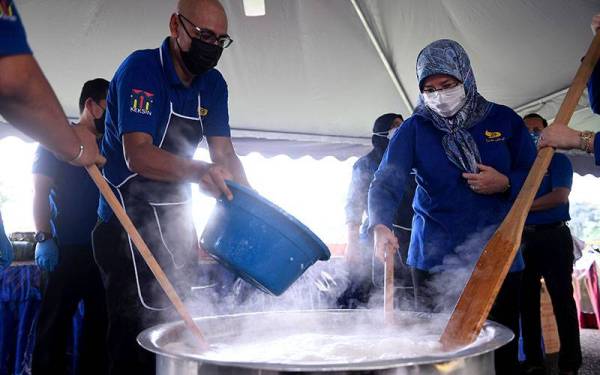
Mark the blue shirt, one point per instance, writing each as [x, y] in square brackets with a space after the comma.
[73, 199]
[594, 99]
[356, 201]
[139, 100]
[450, 217]
[559, 175]
[12, 34]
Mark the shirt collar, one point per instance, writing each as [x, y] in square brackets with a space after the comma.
[167, 63]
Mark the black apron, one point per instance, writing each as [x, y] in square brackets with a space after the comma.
[162, 213]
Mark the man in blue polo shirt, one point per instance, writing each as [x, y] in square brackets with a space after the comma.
[64, 210]
[547, 248]
[160, 105]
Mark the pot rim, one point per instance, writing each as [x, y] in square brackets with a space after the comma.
[147, 339]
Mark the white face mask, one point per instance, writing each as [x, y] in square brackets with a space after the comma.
[392, 132]
[389, 134]
[448, 102]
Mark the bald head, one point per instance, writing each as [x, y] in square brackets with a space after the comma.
[207, 14]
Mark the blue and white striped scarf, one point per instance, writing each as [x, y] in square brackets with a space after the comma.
[446, 56]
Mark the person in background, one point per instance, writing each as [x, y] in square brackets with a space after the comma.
[547, 248]
[561, 136]
[28, 103]
[161, 103]
[359, 248]
[471, 158]
[65, 200]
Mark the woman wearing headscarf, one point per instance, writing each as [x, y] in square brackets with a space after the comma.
[471, 157]
[359, 249]
[362, 175]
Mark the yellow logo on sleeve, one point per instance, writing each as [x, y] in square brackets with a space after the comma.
[202, 111]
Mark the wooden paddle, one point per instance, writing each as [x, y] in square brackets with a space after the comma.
[144, 251]
[482, 288]
[388, 288]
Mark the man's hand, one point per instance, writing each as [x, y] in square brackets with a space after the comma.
[595, 23]
[90, 154]
[386, 242]
[559, 136]
[212, 181]
[46, 255]
[222, 153]
[487, 181]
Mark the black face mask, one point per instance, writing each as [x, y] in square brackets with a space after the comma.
[99, 123]
[201, 57]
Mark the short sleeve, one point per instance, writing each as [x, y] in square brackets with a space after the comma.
[138, 94]
[12, 33]
[216, 121]
[561, 172]
[45, 163]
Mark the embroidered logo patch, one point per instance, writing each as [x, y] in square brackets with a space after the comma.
[7, 12]
[202, 111]
[141, 102]
[493, 136]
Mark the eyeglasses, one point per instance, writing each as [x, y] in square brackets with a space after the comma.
[445, 86]
[206, 35]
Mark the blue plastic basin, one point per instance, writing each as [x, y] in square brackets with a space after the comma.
[259, 241]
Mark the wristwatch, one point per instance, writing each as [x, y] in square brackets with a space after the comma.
[42, 236]
[585, 141]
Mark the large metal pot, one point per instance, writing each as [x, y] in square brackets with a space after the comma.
[171, 359]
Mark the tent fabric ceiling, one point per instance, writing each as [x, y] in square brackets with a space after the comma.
[309, 68]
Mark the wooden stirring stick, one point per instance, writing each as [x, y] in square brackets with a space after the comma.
[482, 288]
[143, 249]
[388, 289]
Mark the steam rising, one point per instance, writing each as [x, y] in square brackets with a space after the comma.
[217, 291]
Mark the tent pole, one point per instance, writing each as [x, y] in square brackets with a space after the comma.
[537, 104]
[541, 101]
[384, 59]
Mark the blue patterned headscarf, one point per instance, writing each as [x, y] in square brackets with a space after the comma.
[446, 56]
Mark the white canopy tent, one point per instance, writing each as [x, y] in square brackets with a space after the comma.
[318, 72]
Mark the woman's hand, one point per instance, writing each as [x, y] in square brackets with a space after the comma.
[385, 242]
[488, 181]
